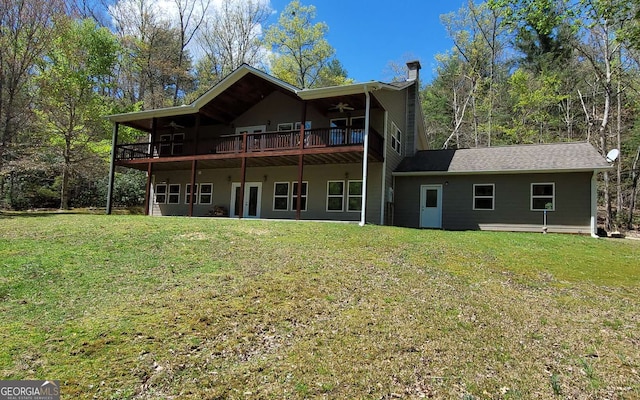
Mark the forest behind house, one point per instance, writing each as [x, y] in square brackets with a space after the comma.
[520, 71]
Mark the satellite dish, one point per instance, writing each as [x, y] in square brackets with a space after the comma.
[613, 155]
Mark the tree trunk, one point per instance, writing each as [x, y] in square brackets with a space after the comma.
[603, 139]
[66, 170]
[619, 147]
[64, 190]
[634, 188]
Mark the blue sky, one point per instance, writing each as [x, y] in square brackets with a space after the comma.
[367, 34]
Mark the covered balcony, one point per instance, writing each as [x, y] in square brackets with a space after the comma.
[340, 142]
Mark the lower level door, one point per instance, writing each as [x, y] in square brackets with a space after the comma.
[252, 199]
[431, 206]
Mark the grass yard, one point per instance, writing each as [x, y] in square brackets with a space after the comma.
[134, 307]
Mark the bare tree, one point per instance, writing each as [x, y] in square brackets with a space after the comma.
[475, 32]
[154, 63]
[191, 15]
[232, 37]
[601, 50]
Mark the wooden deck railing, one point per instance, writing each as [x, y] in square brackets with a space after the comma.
[255, 142]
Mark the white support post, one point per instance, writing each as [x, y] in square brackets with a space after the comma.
[365, 159]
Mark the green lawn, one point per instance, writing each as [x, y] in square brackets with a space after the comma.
[134, 307]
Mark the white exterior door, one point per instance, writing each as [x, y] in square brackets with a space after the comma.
[431, 206]
[252, 199]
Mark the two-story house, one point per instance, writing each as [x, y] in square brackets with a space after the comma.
[256, 147]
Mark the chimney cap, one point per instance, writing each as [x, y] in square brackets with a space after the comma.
[414, 65]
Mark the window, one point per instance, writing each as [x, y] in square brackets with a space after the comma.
[206, 193]
[171, 144]
[357, 130]
[354, 200]
[287, 126]
[165, 145]
[307, 125]
[174, 194]
[338, 127]
[346, 130]
[335, 195]
[543, 196]
[187, 194]
[161, 193]
[396, 137]
[178, 143]
[281, 196]
[483, 196]
[303, 197]
[431, 198]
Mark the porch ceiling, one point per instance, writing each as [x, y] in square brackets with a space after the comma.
[356, 101]
[223, 109]
[237, 99]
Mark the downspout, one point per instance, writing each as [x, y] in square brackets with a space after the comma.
[112, 167]
[365, 159]
[594, 206]
[384, 170]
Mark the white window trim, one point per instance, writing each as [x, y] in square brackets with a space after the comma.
[334, 195]
[155, 193]
[553, 196]
[200, 193]
[177, 195]
[175, 143]
[281, 196]
[285, 127]
[349, 196]
[396, 137]
[307, 125]
[187, 189]
[492, 197]
[294, 195]
[165, 146]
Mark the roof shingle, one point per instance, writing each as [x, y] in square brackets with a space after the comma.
[539, 157]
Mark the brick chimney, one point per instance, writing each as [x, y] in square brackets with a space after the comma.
[414, 70]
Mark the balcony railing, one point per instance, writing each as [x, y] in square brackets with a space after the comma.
[251, 143]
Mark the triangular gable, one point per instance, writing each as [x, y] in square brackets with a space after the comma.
[234, 77]
[205, 99]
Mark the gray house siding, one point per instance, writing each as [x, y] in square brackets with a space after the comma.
[512, 202]
[396, 105]
[316, 177]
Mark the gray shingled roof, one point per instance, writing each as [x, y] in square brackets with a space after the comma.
[541, 157]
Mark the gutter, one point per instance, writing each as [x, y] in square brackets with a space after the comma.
[365, 159]
[356, 88]
[499, 171]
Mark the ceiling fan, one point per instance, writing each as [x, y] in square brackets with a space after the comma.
[342, 107]
[174, 125]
